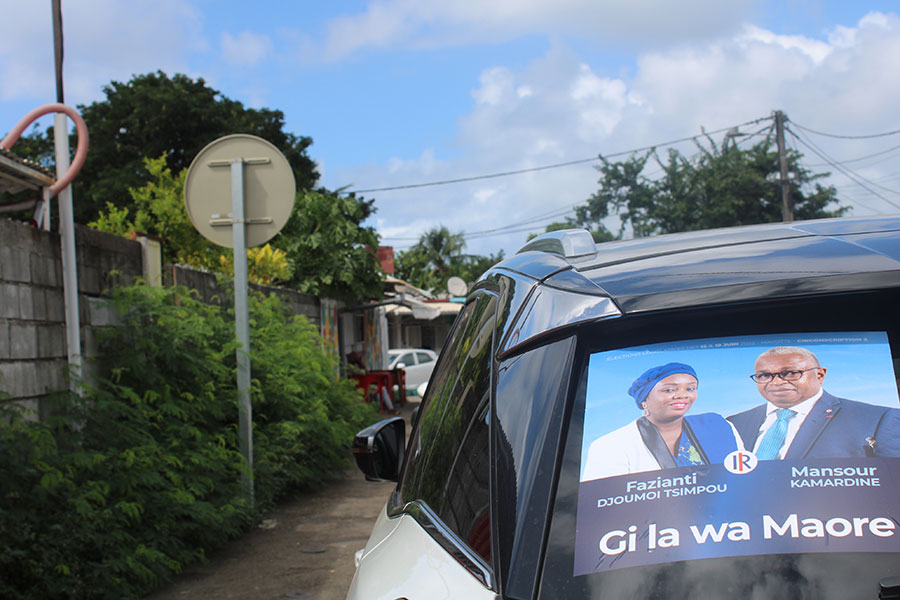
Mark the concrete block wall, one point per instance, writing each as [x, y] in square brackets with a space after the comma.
[33, 348]
[207, 287]
[32, 314]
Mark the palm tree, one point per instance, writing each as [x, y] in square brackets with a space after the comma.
[442, 249]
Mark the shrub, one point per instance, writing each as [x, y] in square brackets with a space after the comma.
[125, 485]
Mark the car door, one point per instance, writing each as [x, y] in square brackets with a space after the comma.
[434, 539]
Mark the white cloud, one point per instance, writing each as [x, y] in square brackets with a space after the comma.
[496, 87]
[437, 23]
[247, 49]
[815, 49]
[572, 111]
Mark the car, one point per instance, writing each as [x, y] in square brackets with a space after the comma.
[615, 421]
[417, 362]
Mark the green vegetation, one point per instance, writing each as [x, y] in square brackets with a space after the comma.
[116, 491]
[144, 136]
[157, 208]
[331, 252]
[721, 186]
[323, 249]
[156, 115]
[438, 256]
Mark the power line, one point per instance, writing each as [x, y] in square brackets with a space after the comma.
[410, 186]
[856, 178]
[570, 163]
[767, 129]
[527, 224]
[846, 137]
[861, 158]
[552, 215]
[853, 200]
[852, 175]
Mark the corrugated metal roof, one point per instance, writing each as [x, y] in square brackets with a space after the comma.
[18, 174]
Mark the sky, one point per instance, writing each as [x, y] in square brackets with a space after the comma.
[405, 92]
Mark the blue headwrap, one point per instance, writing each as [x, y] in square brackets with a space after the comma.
[641, 387]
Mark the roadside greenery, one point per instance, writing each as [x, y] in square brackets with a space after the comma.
[154, 114]
[722, 185]
[331, 251]
[438, 256]
[114, 492]
[324, 249]
[144, 135]
[157, 207]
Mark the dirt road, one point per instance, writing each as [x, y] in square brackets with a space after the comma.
[303, 549]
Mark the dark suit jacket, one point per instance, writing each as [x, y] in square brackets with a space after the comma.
[834, 428]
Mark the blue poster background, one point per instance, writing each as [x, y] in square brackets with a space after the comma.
[859, 368]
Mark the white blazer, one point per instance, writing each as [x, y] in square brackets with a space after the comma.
[622, 451]
[618, 452]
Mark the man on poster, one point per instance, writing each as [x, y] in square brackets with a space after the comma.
[802, 420]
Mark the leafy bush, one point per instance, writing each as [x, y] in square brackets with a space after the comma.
[123, 487]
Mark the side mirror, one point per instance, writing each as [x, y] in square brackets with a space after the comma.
[379, 448]
[400, 365]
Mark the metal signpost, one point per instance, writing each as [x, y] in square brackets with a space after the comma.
[241, 206]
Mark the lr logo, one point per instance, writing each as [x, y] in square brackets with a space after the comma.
[740, 462]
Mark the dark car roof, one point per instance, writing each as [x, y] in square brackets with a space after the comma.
[741, 263]
[694, 269]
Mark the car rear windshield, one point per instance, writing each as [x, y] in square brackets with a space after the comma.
[742, 451]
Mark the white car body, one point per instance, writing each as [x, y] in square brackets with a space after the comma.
[417, 362]
[401, 560]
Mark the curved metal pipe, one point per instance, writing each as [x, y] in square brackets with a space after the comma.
[80, 151]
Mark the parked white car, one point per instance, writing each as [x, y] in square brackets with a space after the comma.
[417, 362]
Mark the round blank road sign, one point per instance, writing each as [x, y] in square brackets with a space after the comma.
[269, 189]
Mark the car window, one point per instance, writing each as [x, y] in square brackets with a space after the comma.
[720, 510]
[448, 466]
[408, 358]
[424, 357]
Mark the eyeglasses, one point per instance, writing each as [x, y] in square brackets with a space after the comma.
[784, 375]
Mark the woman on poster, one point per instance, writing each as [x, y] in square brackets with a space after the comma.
[663, 437]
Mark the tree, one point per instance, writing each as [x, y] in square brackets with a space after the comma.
[323, 249]
[157, 208]
[37, 146]
[600, 234]
[330, 250]
[721, 186]
[154, 115]
[438, 256]
[473, 266]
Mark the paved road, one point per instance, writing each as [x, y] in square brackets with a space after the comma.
[303, 549]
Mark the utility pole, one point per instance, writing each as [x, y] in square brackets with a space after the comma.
[787, 211]
[66, 218]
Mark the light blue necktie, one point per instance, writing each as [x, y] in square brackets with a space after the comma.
[774, 437]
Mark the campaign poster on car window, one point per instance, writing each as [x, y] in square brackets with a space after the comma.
[739, 446]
